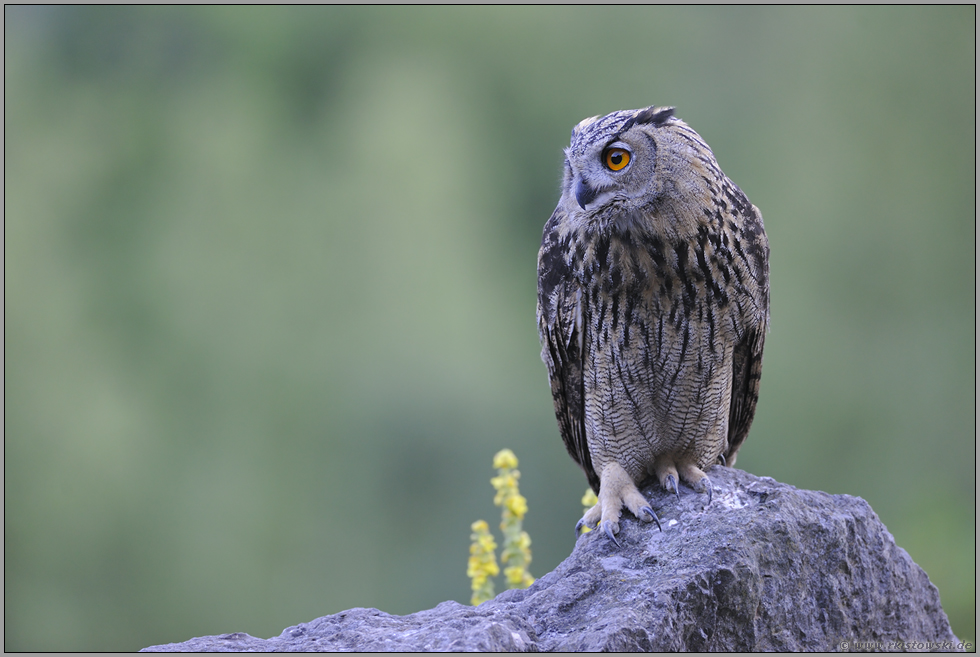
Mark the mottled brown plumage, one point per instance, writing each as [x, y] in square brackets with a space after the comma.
[653, 305]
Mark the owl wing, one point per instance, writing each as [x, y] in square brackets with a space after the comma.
[747, 357]
[561, 328]
[746, 374]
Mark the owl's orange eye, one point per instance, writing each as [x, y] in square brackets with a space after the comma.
[616, 158]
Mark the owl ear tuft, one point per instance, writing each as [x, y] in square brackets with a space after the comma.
[655, 116]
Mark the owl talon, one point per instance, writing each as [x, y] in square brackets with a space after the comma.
[703, 485]
[671, 482]
[652, 516]
[608, 528]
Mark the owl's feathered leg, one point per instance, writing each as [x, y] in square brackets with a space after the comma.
[616, 490]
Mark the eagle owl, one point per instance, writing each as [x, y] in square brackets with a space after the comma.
[653, 305]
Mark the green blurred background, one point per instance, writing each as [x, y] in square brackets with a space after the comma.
[270, 288]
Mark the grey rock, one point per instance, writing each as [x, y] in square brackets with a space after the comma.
[765, 566]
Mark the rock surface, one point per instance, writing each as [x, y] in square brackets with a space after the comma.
[764, 567]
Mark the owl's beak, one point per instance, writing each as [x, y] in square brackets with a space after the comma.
[583, 193]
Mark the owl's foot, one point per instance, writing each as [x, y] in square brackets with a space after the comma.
[668, 472]
[616, 490]
[699, 481]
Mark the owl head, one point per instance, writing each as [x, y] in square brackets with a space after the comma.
[630, 161]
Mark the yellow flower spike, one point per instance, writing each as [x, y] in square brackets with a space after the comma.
[589, 500]
[482, 564]
[515, 576]
[516, 554]
[504, 459]
[517, 505]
